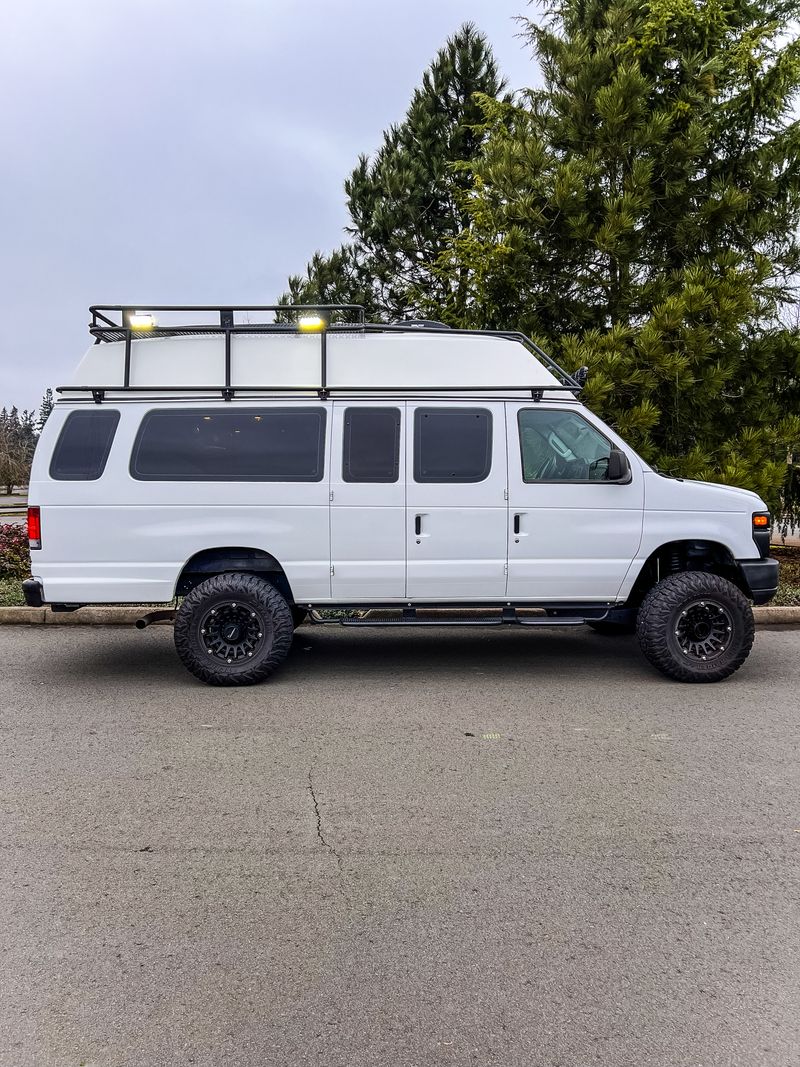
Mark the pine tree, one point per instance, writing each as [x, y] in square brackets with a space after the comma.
[405, 204]
[639, 214]
[45, 408]
[17, 443]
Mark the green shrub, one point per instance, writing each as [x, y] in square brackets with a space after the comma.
[15, 559]
[11, 593]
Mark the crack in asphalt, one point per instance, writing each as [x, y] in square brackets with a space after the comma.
[318, 816]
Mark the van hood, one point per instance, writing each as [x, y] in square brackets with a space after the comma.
[705, 496]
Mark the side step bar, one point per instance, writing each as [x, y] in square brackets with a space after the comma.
[409, 617]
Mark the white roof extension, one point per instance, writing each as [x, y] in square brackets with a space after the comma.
[437, 360]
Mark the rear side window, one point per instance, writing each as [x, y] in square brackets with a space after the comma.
[452, 445]
[246, 445]
[371, 450]
[83, 445]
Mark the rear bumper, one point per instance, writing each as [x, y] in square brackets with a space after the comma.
[760, 578]
[33, 593]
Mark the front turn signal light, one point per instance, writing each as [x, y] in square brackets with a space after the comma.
[761, 521]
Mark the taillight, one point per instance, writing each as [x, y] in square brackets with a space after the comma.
[34, 528]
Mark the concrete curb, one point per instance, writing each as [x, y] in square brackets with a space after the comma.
[121, 616]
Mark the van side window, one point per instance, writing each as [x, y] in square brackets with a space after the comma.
[246, 445]
[560, 446]
[83, 446]
[452, 444]
[371, 451]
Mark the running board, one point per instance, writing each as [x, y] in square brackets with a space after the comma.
[509, 616]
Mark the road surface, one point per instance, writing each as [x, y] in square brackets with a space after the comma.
[409, 849]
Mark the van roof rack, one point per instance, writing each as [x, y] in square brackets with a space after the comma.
[128, 322]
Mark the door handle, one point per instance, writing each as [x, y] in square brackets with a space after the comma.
[516, 524]
[418, 525]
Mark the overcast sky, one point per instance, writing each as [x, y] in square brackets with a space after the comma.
[172, 151]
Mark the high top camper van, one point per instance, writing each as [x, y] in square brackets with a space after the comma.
[259, 465]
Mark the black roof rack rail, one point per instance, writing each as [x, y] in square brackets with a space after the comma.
[113, 322]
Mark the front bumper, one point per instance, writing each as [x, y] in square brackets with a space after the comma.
[33, 593]
[760, 578]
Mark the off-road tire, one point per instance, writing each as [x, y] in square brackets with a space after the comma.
[664, 612]
[266, 633]
[612, 629]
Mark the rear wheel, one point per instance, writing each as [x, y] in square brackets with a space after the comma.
[695, 627]
[233, 629]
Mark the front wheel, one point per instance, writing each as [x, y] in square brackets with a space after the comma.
[233, 629]
[695, 627]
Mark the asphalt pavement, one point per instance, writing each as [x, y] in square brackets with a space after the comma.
[410, 848]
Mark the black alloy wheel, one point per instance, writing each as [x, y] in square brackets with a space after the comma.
[696, 627]
[233, 629]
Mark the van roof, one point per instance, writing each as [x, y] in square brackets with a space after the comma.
[157, 349]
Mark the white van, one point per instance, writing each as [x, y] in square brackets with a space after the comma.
[262, 471]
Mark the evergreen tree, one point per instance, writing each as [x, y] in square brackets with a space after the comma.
[17, 443]
[406, 203]
[639, 214]
[45, 408]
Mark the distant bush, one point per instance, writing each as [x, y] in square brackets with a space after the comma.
[15, 559]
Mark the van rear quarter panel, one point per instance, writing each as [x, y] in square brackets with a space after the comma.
[120, 540]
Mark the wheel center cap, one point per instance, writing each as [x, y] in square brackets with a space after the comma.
[231, 632]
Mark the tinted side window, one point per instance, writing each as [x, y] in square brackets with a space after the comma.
[246, 445]
[371, 450]
[452, 445]
[560, 446]
[83, 445]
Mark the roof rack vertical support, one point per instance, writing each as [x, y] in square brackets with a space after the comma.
[126, 325]
[226, 323]
[323, 362]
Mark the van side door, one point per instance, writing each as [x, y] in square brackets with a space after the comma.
[367, 501]
[572, 533]
[457, 514]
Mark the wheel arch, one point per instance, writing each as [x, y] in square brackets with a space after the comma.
[686, 554]
[233, 559]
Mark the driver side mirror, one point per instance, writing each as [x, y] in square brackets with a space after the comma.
[619, 468]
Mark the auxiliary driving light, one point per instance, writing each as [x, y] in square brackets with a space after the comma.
[310, 323]
[138, 321]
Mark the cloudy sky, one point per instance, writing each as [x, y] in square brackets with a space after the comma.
[171, 151]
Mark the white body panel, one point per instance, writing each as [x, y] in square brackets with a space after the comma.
[122, 540]
[673, 507]
[402, 360]
[575, 540]
[368, 529]
[460, 550]
[119, 539]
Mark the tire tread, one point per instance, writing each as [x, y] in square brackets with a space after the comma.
[653, 623]
[268, 598]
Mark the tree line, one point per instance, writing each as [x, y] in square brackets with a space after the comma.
[637, 214]
[19, 432]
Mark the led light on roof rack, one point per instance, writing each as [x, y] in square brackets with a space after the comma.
[311, 323]
[138, 321]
